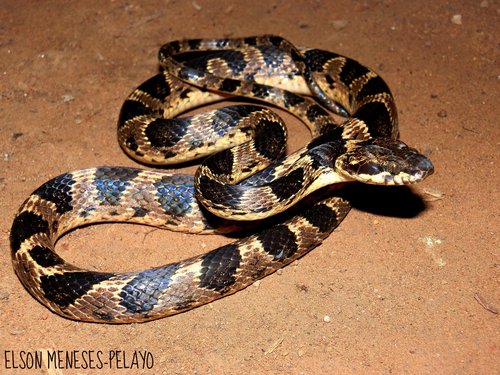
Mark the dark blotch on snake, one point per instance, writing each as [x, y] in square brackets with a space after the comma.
[215, 191]
[321, 216]
[131, 143]
[331, 134]
[251, 41]
[58, 191]
[140, 212]
[278, 241]
[218, 268]
[376, 116]
[221, 164]
[314, 111]
[194, 43]
[229, 85]
[175, 194]
[329, 80]
[156, 87]
[351, 71]
[119, 174]
[323, 155]
[26, 225]
[174, 46]
[131, 109]
[275, 40]
[64, 289]
[296, 56]
[272, 56]
[270, 139]
[287, 186]
[237, 62]
[111, 183]
[165, 132]
[292, 99]
[185, 93]
[374, 86]
[261, 91]
[45, 257]
[200, 63]
[316, 59]
[141, 294]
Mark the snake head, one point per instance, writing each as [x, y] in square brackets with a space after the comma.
[384, 161]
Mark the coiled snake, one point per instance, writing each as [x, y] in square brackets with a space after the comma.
[249, 178]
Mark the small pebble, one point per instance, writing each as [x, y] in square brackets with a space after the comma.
[432, 194]
[442, 113]
[327, 319]
[68, 98]
[456, 19]
[196, 5]
[4, 296]
[339, 24]
[17, 135]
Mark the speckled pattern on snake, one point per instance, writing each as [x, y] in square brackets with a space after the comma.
[245, 175]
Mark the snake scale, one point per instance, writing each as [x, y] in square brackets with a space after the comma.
[245, 175]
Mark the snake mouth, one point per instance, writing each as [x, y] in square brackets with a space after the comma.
[384, 162]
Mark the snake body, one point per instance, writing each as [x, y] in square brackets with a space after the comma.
[248, 178]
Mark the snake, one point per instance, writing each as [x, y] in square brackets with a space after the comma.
[245, 180]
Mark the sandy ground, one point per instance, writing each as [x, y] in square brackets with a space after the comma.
[407, 284]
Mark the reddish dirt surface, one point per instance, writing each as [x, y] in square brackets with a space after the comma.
[409, 280]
